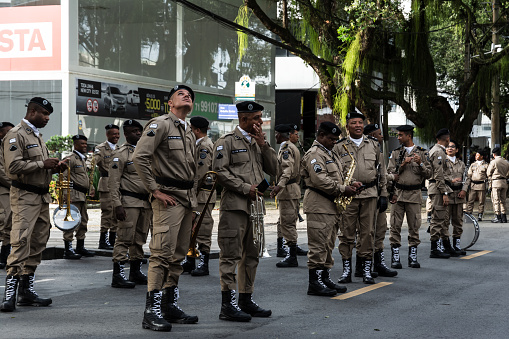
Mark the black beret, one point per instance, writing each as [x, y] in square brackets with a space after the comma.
[199, 122]
[294, 127]
[405, 128]
[187, 88]
[330, 127]
[110, 126]
[249, 107]
[443, 131]
[79, 137]
[370, 128]
[496, 150]
[132, 123]
[5, 124]
[353, 115]
[283, 128]
[43, 103]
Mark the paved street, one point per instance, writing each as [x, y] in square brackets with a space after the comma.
[463, 298]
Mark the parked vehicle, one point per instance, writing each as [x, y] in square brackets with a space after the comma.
[133, 97]
[114, 100]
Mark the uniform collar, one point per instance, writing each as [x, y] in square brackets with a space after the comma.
[245, 134]
[34, 129]
[81, 155]
[199, 140]
[112, 146]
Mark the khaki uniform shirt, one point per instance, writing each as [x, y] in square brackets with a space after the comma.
[240, 164]
[123, 176]
[477, 172]
[166, 149]
[288, 159]
[321, 171]
[368, 162]
[437, 158]
[204, 151]
[79, 176]
[102, 155]
[456, 169]
[498, 172]
[24, 155]
[411, 174]
[5, 182]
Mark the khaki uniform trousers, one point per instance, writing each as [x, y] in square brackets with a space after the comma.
[29, 235]
[235, 239]
[132, 234]
[288, 211]
[81, 230]
[380, 230]
[474, 194]
[322, 232]
[455, 212]
[413, 218]
[439, 225]
[358, 219]
[204, 237]
[169, 244]
[5, 219]
[498, 197]
[108, 222]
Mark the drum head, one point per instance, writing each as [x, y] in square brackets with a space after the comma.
[470, 231]
[59, 215]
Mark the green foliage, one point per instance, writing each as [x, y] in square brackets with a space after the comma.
[242, 38]
[58, 144]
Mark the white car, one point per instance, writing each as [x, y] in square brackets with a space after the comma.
[114, 100]
[133, 97]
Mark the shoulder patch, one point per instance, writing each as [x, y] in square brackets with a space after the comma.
[115, 159]
[313, 161]
[317, 168]
[13, 140]
[286, 156]
[13, 148]
[219, 148]
[203, 155]
[151, 133]
[97, 150]
[152, 126]
[219, 155]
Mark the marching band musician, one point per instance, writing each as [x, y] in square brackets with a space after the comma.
[323, 176]
[240, 158]
[164, 159]
[130, 201]
[5, 185]
[360, 215]
[102, 155]
[28, 165]
[477, 174]
[408, 168]
[498, 172]
[80, 187]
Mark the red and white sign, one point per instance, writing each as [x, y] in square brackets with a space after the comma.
[95, 105]
[30, 38]
[89, 105]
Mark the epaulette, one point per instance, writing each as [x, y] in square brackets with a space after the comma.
[420, 148]
[398, 148]
[372, 138]
[285, 146]
[342, 139]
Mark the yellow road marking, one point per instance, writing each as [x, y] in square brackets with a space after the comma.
[361, 291]
[478, 254]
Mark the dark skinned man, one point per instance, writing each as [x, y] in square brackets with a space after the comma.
[6, 216]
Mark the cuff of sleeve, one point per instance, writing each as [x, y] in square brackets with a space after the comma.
[40, 164]
[116, 204]
[246, 188]
[282, 182]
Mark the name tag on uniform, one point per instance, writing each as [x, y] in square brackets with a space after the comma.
[329, 162]
[78, 166]
[130, 163]
[32, 146]
[174, 137]
[235, 151]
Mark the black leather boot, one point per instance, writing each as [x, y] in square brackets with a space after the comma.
[188, 264]
[27, 295]
[247, 305]
[367, 278]
[203, 266]
[281, 250]
[301, 251]
[331, 284]
[80, 249]
[171, 311]
[380, 267]
[290, 260]
[103, 242]
[346, 277]
[119, 279]
[395, 258]
[316, 285]
[497, 219]
[5, 250]
[437, 252]
[448, 248]
[135, 273]
[152, 318]
[111, 238]
[358, 267]
[479, 217]
[456, 244]
[504, 218]
[11, 287]
[230, 310]
[69, 252]
[412, 257]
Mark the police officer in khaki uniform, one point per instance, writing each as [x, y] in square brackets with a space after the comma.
[80, 185]
[102, 156]
[5, 205]
[132, 210]
[498, 172]
[240, 158]
[287, 191]
[439, 195]
[408, 168]
[478, 177]
[323, 176]
[28, 165]
[359, 217]
[165, 161]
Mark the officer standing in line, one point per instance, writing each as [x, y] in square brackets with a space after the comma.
[80, 187]
[408, 168]
[28, 165]
[477, 174]
[287, 191]
[5, 185]
[240, 159]
[165, 161]
[130, 201]
[204, 150]
[498, 172]
[439, 195]
[359, 217]
[323, 176]
[102, 155]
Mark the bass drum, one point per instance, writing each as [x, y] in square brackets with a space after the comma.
[59, 216]
[470, 231]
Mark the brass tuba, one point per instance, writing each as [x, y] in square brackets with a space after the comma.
[66, 217]
[341, 201]
[256, 218]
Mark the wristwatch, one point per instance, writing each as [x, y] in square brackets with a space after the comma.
[445, 193]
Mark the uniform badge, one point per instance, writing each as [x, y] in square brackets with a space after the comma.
[219, 148]
[13, 148]
[151, 133]
[203, 155]
[200, 163]
[13, 140]
[317, 168]
[152, 126]
[285, 156]
[219, 155]
[115, 166]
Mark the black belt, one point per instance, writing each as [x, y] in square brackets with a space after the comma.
[80, 188]
[206, 187]
[41, 190]
[432, 181]
[291, 181]
[169, 182]
[454, 188]
[322, 193]
[139, 196]
[371, 184]
[477, 182]
[104, 174]
[408, 187]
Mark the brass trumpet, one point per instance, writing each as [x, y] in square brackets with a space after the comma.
[67, 216]
[341, 201]
[256, 218]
